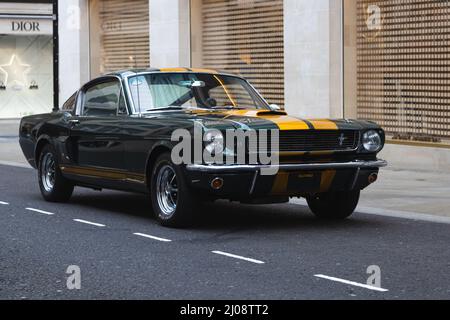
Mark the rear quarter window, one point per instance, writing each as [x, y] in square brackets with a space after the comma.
[69, 105]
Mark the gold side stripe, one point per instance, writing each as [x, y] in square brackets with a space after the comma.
[103, 173]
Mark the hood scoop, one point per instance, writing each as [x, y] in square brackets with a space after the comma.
[271, 113]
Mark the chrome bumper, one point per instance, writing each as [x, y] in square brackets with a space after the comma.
[287, 167]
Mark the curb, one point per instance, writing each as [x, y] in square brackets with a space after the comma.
[416, 216]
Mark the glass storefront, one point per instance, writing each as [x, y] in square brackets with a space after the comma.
[397, 66]
[243, 37]
[26, 66]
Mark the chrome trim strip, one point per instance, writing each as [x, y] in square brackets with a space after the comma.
[255, 177]
[288, 167]
[355, 179]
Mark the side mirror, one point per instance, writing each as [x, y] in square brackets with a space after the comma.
[67, 115]
[192, 84]
[198, 84]
[274, 107]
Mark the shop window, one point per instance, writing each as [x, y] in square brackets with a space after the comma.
[397, 66]
[26, 74]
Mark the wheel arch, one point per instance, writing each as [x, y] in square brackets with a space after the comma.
[41, 142]
[155, 152]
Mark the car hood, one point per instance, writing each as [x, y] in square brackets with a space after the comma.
[265, 119]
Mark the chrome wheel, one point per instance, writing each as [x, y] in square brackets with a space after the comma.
[167, 190]
[48, 172]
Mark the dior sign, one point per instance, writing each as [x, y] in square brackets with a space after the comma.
[26, 27]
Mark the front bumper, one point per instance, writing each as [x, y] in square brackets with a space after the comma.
[288, 167]
[242, 182]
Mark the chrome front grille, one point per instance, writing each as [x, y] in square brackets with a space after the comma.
[318, 140]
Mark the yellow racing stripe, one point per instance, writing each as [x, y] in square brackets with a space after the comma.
[324, 124]
[199, 70]
[283, 122]
[280, 183]
[287, 122]
[174, 70]
[326, 180]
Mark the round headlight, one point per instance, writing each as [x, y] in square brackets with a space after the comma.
[372, 141]
[214, 142]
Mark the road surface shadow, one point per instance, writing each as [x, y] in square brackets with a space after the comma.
[220, 215]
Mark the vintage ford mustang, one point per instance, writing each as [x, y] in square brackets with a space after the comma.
[117, 132]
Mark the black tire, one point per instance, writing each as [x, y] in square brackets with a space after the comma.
[334, 205]
[186, 203]
[59, 189]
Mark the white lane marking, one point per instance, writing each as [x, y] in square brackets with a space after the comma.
[238, 257]
[89, 222]
[4, 203]
[352, 283]
[40, 211]
[151, 237]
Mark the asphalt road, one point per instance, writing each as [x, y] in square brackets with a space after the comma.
[281, 250]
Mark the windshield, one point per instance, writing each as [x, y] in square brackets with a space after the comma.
[154, 91]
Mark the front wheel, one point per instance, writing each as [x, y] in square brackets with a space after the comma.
[54, 187]
[334, 205]
[172, 200]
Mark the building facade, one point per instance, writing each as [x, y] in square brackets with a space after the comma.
[387, 61]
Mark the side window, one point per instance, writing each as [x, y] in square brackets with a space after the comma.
[103, 100]
[69, 105]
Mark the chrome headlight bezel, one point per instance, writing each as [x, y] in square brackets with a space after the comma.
[372, 141]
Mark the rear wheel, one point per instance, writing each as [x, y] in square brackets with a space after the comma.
[334, 205]
[54, 187]
[173, 202]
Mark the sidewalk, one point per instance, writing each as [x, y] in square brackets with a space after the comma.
[10, 151]
[396, 189]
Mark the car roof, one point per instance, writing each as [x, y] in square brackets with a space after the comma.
[127, 72]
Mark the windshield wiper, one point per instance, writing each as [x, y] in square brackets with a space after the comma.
[166, 108]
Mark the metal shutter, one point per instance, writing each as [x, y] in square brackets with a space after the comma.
[125, 34]
[246, 37]
[403, 70]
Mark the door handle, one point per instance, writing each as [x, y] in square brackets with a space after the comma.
[74, 122]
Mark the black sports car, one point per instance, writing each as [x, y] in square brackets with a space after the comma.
[121, 130]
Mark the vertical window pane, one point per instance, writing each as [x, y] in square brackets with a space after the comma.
[119, 35]
[244, 37]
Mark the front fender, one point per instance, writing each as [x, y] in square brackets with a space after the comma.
[158, 148]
